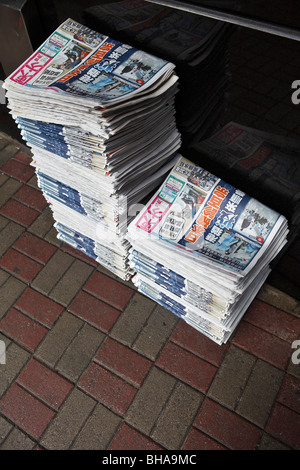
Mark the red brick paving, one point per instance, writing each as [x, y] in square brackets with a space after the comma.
[188, 338]
[18, 170]
[108, 388]
[227, 427]
[23, 157]
[94, 311]
[26, 411]
[20, 265]
[128, 438]
[284, 424]
[262, 344]
[35, 247]
[123, 361]
[31, 197]
[290, 393]
[19, 213]
[187, 367]
[197, 440]
[273, 320]
[45, 384]
[39, 307]
[108, 290]
[23, 329]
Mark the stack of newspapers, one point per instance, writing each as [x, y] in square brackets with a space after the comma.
[99, 117]
[202, 248]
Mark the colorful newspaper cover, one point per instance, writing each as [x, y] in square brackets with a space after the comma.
[198, 212]
[80, 61]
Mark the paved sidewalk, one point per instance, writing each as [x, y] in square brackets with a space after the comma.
[93, 364]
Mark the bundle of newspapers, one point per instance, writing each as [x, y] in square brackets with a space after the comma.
[99, 118]
[202, 248]
[195, 44]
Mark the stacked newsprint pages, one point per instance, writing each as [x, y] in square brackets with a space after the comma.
[195, 44]
[98, 115]
[202, 248]
[266, 164]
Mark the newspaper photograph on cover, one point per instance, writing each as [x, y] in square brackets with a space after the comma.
[200, 213]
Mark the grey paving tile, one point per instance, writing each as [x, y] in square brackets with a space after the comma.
[5, 428]
[10, 291]
[50, 275]
[232, 377]
[58, 339]
[43, 223]
[18, 441]
[260, 393]
[8, 151]
[3, 276]
[177, 417]
[133, 319]
[64, 428]
[71, 282]
[155, 332]
[8, 189]
[268, 442]
[98, 431]
[80, 352]
[9, 235]
[16, 358]
[3, 222]
[150, 400]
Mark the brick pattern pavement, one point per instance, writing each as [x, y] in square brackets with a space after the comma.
[93, 364]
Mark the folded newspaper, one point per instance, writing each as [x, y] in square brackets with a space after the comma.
[202, 248]
[99, 117]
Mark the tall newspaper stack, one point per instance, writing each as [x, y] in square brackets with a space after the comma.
[202, 248]
[98, 115]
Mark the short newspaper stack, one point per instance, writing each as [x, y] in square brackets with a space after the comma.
[98, 115]
[202, 248]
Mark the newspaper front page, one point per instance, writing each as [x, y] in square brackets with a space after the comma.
[78, 61]
[209, 219]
